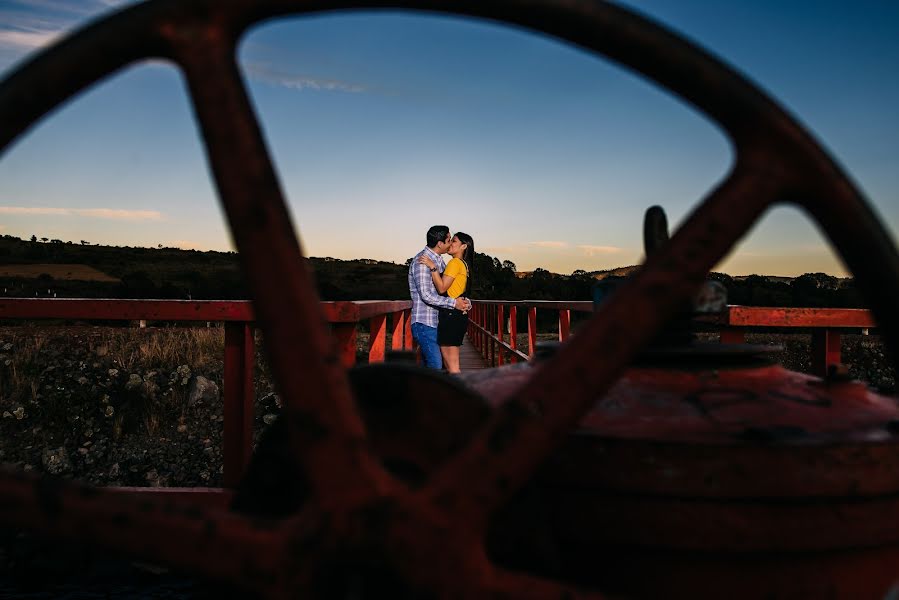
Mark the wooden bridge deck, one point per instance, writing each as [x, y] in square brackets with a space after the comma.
[469, 357]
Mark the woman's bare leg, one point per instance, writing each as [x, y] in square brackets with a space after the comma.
[451, 358]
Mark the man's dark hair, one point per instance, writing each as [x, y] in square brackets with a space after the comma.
[437, 233]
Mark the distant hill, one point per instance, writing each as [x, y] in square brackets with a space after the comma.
[66, 269]
[60, 271]
[616, 272]
[63, 269]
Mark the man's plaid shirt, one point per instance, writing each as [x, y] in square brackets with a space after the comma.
[425, 299]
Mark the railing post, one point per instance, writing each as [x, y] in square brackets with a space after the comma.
[475, 332]
[732, 336]
[482, 337]
[500, 317]
[513, 331]
[346, 342]
[491, 341]
[825, 350]
[564, 324]
[407, 331]
[238, 400]
[532, 331]
[377, 339]
[396, 334]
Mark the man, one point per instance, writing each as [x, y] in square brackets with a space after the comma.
[426, 300]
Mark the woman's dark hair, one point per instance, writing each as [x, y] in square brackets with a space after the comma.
[468, 257]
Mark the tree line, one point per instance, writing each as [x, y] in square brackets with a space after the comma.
[172, 273]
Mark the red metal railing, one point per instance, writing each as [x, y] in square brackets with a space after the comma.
[493, 326]
[489, 323]
[825, 323]
[238, 393]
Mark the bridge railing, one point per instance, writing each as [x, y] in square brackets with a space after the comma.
[493, 327]
[239, 351]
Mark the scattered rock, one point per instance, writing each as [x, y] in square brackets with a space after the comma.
[135, 381]
[56, 461]
[202, 389]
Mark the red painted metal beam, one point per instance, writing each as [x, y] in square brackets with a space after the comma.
[825, 350]
[732, 336]
[346, 342]
[397, 319]
[360, 310]
[513, 332]
[500, 317]
[532, 330]
[407, 332]
[178, 310]
[564, 324]
[127, 310]
[575, 305]
[377, 341]
[239, 398]
[753, 316]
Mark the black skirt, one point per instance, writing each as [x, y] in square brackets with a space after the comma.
[451, 327]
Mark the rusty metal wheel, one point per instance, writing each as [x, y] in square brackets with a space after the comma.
[425, 541]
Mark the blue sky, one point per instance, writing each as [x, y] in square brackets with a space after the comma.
[382, 124]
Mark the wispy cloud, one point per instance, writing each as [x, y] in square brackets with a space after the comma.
[599, 250]
[264, 73]
[70, 7]
[95, 213]
[28, 39]
[27, 25]
[549, 244]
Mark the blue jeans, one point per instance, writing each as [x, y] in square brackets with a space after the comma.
[427, 341]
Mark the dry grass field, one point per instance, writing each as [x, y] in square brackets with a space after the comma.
[63, 272]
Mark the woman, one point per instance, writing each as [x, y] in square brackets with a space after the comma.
[454, 282]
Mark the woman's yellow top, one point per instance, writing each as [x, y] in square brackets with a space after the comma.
[458, 270]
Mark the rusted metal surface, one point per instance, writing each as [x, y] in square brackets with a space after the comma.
[430, 539]
[723, 469]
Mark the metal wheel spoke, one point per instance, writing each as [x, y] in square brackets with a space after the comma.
[220, 545]
[326, 433]
[537, 416]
